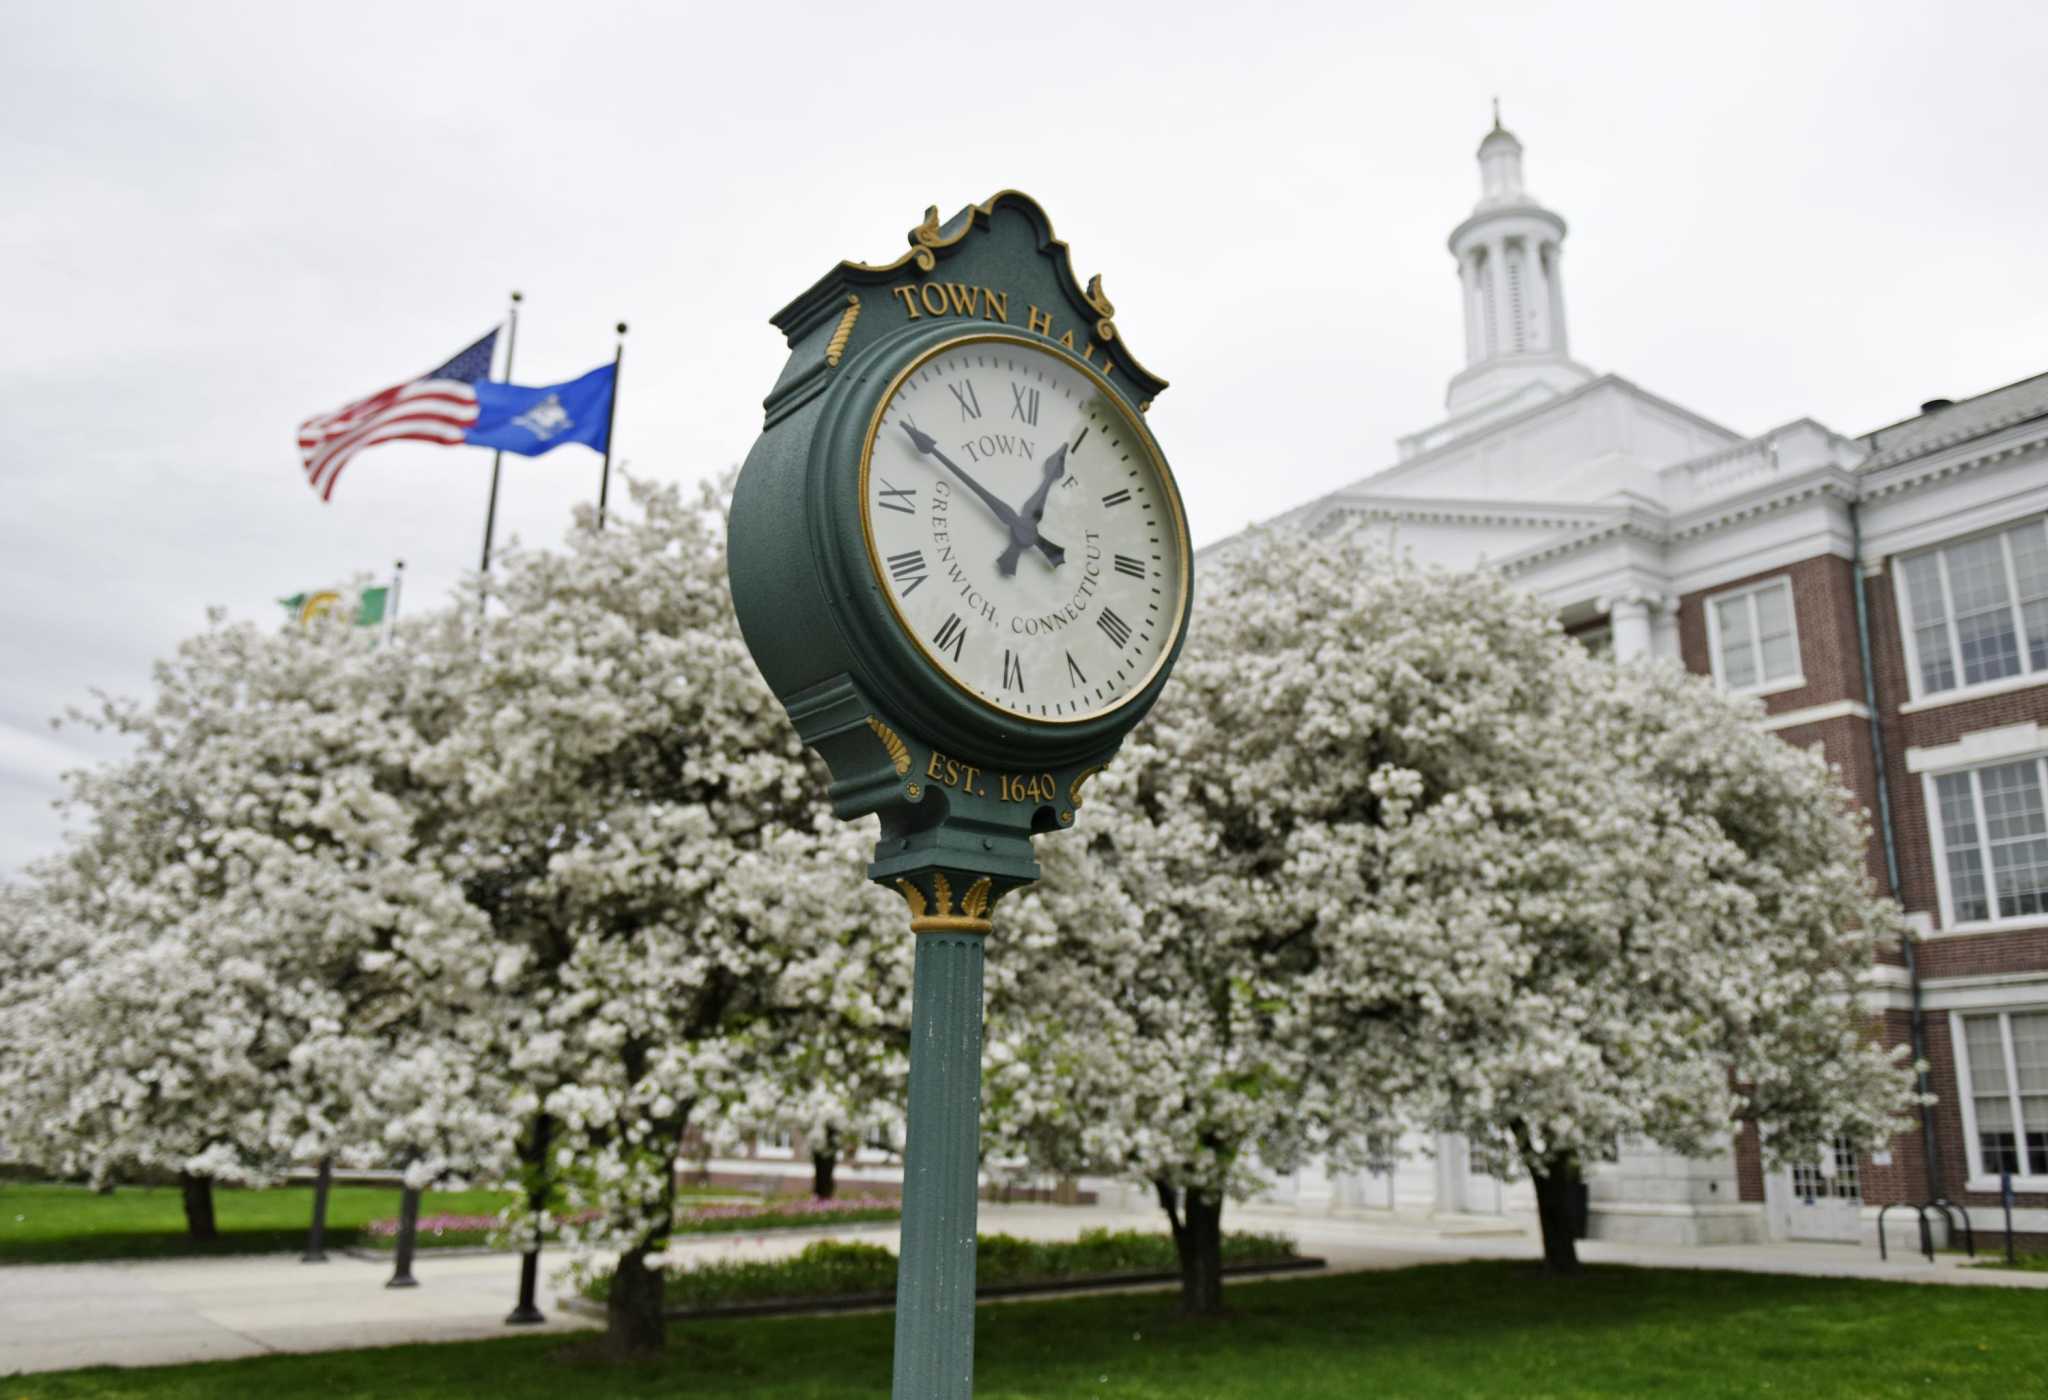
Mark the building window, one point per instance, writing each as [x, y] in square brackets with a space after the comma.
[1754, 639]
[1977, 611]
[1837, 1178]
[1993, 832]
[2005, 1057]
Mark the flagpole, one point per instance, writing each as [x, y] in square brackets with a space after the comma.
[611, 414]
[497, 457]
[397, 586]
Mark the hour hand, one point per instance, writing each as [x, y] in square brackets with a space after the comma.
[1024, 530]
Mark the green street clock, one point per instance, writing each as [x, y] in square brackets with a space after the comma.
[960, 561]
[957, 552]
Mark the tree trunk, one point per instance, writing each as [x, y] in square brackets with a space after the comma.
[1198, 1238]
[634, 1328]
[823, 1164]
[199, 1223]
[1556, 1180]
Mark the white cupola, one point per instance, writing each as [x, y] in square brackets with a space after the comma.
[1510, 251]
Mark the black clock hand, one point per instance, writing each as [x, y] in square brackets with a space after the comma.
[926, 444]
[1024, 530]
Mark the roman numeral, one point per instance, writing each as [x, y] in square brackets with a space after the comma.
[1117, 629]
[1074, 671]
[952, 633]
[1116, 498]
[897, 498]
[907, 569]
[1127, 565]
[970, 406]
[1013, 672]
[1024, 404]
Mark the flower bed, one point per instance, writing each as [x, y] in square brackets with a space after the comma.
[838, 1269]
[448, 1231]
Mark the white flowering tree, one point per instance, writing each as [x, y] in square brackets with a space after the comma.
[261, 949]
[1392, 849]
[1687, 922]
[626, 808]
[38, 947]
[829, 1059]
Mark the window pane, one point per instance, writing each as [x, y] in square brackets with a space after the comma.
[2030, 566]
[1990, 647]
[2035, 617]
[2018, 835]
[1930, 623]
[1738, 652]
[1966, 887]
[1774, 632]
[1848, 1185]
[2000, 1149]
[2030, 1055]
[2030, 558]
[1976, 576]
[1987, 1066]
[1983, 607]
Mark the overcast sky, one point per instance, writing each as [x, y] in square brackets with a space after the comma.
[219, 219]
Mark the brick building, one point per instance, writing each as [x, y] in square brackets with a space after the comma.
[1884, 598]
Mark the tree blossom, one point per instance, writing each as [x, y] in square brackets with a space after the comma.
[1394, 850]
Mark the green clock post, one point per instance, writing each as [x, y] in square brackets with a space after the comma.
[960, 560]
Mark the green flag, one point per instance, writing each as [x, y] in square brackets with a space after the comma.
[323, 602]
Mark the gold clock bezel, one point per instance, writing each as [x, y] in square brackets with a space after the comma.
[1159, 467]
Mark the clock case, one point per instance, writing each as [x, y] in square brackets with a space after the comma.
[810, 604]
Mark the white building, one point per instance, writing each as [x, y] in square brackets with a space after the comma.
[1654, 531]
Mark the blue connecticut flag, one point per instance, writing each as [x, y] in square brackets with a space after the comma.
[514, 418]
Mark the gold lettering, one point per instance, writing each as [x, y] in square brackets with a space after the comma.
[1068, 340]
[963, 298]
[968, 775]
[1088, 351]
[907, 293]
[995, 305]
[934, 299]
[952, 778]
[1041, 321]
[1108, 367]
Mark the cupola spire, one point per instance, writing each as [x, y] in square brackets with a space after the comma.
[1510, 253]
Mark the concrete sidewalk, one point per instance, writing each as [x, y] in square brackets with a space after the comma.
[57, 1316]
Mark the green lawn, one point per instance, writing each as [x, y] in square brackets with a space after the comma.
[1480, 1329]
[48, 1223]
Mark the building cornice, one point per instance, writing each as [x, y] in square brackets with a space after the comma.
[1928, 463]
[1451, 510]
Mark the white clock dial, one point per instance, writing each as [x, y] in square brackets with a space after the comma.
[1024, 529]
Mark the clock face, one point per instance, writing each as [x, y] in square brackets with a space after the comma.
[1024, 529]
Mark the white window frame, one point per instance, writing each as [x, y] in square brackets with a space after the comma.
[1966, 1097]
[1931, 800]
[1750, 591]
[1908, 629]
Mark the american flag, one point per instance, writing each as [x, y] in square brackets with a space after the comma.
[439, 406]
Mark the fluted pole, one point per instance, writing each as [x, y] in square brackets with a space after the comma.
[942, 1165]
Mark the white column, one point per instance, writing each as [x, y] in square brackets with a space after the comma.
[1554, 276]
[1475, 323]
[1628, 617]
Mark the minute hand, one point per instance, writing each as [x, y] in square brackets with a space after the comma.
[928, 445]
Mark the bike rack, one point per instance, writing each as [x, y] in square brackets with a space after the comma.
[1944, 1205]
